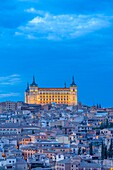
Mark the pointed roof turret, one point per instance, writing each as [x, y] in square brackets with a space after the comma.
[73, 82]
[33, 79]
[33, 83]
[27, 89]
[65, 85]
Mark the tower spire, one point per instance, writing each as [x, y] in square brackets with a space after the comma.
[27, 85]
[65, 85]
[33, 82]
[73, 82]
[33, 79]
[27, 89]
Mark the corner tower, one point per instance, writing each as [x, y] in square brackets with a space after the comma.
[32, 94]
[73, 93]
[27, 93]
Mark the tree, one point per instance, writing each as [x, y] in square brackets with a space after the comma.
[102, 151]
[33, 132]
[105, 152]
[97, 106]
[106, 123]
[79, 151]
[102, 126]
[110, 125]
[110, 150]
[91, 148]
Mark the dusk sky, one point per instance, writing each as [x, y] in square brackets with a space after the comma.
[54, 40]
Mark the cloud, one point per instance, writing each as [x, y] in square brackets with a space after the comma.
[5, 95]
[31, 10]
[34, 11]
[58, 27]
[10, 80]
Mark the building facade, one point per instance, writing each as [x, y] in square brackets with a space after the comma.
[7, 106]
[37, 95]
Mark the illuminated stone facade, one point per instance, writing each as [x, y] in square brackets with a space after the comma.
[36, 95]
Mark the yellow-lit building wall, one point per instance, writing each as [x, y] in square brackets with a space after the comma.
[49, 95]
